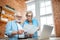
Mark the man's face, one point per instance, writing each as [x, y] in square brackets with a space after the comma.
[18, 17]
[29, 17]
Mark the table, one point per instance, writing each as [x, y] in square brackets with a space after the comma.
[51, 38]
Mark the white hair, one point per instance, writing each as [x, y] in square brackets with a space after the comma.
[16, 13]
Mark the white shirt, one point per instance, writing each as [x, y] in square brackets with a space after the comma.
[20, 28]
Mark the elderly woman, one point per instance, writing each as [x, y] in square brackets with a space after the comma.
[31, 21]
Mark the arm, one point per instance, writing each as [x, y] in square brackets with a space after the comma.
[8, 30]
[36, 23]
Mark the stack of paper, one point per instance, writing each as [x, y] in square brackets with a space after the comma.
[31, 29]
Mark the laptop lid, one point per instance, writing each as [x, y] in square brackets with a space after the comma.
[46, 32]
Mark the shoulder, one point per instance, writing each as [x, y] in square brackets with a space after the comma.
[34, 20]
[25, 22]
[10, 21]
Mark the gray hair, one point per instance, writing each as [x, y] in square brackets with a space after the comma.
[29, 12]
[16, 13]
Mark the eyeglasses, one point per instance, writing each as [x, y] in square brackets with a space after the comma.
[29, 15]
[19, 16]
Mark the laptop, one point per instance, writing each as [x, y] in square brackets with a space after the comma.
[46, 32]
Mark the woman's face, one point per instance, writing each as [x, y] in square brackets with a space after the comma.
[29, 17]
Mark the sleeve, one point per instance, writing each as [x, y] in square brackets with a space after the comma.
[36, 23]
[8, 30]
[25, 22]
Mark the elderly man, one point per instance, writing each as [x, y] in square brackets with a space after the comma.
[14, 28]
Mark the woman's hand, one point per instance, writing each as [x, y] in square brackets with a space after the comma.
[38, 28]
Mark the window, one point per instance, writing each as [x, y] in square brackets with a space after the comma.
[43, 21]
[42, 11]
[45, 7]
[42, 4]
[48, 3]
[46, 14]
[31, 8]
[50, 20]
[48, 9]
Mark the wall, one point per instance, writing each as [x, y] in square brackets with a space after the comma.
[56, 11]
[18, 5]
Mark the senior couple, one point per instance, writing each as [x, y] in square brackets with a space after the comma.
[14, 29]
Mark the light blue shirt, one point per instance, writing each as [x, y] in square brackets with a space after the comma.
[35, 23]
[10, 27]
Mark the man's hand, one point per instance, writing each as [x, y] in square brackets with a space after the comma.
[20, 31]
[30, 35]
[14, 32]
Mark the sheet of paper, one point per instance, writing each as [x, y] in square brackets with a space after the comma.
[31, 29]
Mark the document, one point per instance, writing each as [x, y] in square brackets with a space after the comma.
[30, 29]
